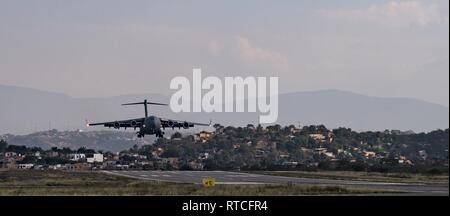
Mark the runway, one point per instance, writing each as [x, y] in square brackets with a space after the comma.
[224, 177]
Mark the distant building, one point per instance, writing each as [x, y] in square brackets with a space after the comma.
[10, 158]
[322, 138]
[406, 162]
[69, 167]
[10, 154]
[57, 167]
[264, 145]
[38, 155]
[77, 167]
[109, 164]
[396, 132]
[290, 163]
[260, 153]
[76, 157]
[96, 158]
[368, 154]
[320, 150]
[317, 137]
[423, 154]
[25, 166]
[52, 154]
[251, 127]
[306, 150]
[295, 130]
[172, 161]
[329, 155]
[10, 164]
[203, 156]
[196, 165]
[203, 136]
[82, 167]
[39, 167]
[286, 155]
[122, 166]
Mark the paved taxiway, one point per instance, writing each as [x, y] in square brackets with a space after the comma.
[223, 177]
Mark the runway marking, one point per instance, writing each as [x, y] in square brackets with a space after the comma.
[194, 177]
[439, 192]
[417, 191]
[241, 183]
[373, 183]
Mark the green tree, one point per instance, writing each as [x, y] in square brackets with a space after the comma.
[176, 135]
[55, 160]
[3, 145]
[29, 159]
[172, 151]
[85, 150]
[17, 149]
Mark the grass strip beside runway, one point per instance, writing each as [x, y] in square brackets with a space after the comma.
[94, 183]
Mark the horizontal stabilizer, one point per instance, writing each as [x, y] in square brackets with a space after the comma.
[145, 103]
[139, 103]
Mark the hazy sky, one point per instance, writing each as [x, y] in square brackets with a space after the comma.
[106, 48]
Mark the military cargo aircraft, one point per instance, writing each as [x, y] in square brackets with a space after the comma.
[151, 125]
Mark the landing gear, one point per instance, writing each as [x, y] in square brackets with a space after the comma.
[159, 134]
[140, 135]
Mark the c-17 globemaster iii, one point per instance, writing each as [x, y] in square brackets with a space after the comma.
[151, 125]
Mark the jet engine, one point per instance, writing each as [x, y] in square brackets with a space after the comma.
[171, 124]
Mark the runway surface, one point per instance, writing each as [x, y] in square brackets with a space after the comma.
[223, 177]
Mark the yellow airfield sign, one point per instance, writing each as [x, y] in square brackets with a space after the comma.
[208, 182]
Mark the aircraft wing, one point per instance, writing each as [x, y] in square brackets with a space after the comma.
[122, 123]
[170, 123]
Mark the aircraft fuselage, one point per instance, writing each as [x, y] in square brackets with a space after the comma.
[152, 125]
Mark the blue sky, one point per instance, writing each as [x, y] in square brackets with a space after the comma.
[378, 48]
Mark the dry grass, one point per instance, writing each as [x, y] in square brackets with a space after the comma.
[363, 176]
[95, 184]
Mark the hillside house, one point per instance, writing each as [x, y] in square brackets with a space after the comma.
[76, 157]
[202, 136]
[264, 145]
[96, 158]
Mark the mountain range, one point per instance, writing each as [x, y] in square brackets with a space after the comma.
[26, 110]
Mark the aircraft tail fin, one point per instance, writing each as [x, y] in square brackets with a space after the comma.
[145, 103]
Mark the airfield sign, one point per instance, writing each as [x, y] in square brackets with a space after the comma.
[208, 182]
